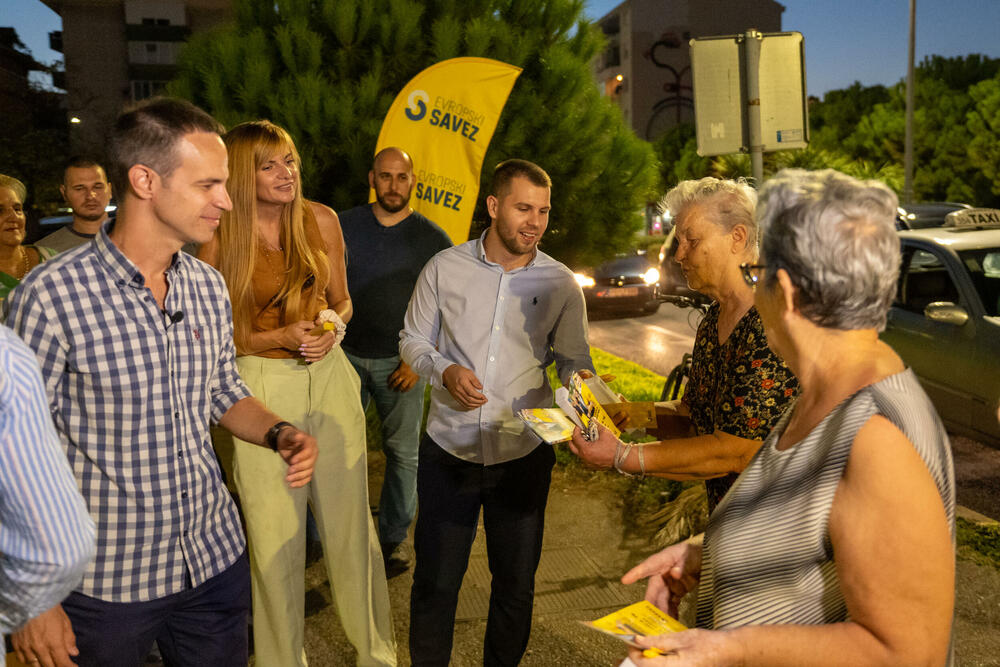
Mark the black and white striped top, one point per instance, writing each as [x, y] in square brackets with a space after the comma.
[767, 557]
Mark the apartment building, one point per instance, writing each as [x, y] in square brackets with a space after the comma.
[119, 51]
[646, 67]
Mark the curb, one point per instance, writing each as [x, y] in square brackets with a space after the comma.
[973, 516]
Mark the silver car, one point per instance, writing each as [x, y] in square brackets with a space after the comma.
[945, 321]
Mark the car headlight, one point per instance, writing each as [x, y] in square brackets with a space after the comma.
[583, 280]
[651, 276]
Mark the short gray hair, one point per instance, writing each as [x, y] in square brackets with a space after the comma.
[15, 185]
[836, 238]
[730, 203]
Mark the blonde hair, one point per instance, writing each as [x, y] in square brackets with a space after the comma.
[15, 185]
[249, 145]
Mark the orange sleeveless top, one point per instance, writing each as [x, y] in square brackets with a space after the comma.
[270, 269]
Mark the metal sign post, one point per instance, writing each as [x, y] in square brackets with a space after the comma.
[751, 56]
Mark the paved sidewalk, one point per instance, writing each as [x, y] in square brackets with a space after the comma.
[588, 545]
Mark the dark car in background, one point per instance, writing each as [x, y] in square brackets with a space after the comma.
[625, 283]
[926, 214]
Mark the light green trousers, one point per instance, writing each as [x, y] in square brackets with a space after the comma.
[323, 400]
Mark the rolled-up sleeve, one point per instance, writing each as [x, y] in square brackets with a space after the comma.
[421, 326]
[46, 533]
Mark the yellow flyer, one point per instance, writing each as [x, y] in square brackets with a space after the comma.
[641, 619]
[589, 409]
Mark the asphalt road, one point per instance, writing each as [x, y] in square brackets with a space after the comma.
[658, 341]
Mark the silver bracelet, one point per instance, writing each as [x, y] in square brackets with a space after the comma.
[621, 453]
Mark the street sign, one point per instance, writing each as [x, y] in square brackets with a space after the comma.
[718, 95]
[784, 119]
[739, 77]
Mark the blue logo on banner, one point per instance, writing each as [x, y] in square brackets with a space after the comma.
[416, 105]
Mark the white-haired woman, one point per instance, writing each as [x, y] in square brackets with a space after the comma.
[737, 388]
[835, 545]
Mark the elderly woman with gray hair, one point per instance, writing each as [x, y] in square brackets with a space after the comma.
[836, 544]
[737, 388]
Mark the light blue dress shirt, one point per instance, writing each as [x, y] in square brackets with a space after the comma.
[505, 326]
[46, 534]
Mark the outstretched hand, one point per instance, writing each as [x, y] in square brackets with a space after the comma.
[672, 573]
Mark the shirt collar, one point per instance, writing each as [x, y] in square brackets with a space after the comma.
[481, 253]
[121, 267]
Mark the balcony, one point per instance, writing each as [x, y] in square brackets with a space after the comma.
[156, 33]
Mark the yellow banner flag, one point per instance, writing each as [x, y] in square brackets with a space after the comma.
[444, 118]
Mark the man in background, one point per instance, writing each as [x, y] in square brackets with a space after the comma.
[388, 243]
[86, 189]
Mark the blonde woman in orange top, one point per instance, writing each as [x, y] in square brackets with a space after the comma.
[283, 260]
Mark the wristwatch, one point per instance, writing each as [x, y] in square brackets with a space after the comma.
[271, 437]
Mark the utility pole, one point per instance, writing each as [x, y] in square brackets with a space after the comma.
[910, 85]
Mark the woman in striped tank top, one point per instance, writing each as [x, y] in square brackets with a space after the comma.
[836, 544]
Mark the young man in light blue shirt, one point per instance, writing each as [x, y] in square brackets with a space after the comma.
[485, 320]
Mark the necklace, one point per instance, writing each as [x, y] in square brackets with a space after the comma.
[24, 261]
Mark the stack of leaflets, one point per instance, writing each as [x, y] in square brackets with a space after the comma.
[581, 405]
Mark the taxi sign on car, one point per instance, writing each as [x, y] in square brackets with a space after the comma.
[974, 218]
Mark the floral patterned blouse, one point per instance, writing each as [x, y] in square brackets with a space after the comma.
[739, 387]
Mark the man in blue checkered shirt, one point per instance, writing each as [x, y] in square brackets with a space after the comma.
[135, 342]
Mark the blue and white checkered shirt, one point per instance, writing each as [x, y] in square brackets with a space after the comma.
[132, 396]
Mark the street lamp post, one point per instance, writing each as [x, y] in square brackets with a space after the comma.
[908, 140]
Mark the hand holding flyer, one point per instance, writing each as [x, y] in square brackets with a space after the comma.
[641, 619]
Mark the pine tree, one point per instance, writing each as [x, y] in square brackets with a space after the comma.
[328, 70]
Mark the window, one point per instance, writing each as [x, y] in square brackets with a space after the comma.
[924, 280]
[984, 269]
[142, 90]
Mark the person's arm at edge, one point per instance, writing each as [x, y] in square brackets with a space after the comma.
[900, 606]
[699, 457]
[47, 535]
[49, 632]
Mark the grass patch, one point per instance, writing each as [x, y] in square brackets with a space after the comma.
[979, 543]
[636, 383]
